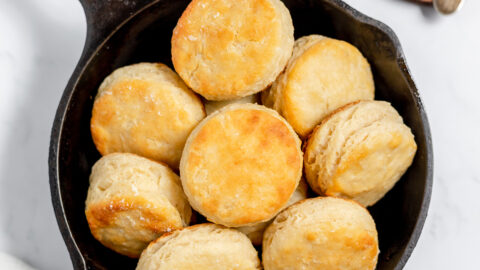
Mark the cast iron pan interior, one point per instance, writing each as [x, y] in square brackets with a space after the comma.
[126, 32]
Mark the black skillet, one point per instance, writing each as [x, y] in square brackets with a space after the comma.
[122, 32]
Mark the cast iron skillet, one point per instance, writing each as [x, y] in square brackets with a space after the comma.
[125, 32]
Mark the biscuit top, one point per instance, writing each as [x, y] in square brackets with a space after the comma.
[147, 110]
[203, 246]
[322, 233]
[241, 165]
[322, 75]
[152, 72]
[226, 49]
[359, 152]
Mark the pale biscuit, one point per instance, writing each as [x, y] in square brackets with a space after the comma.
[203, 246]
[212, 105]
[323, 233]
[132, 201]
[255, 232]
[241, 165]
[359, 152]
[322, 75]
[147, 110]
[226, 49]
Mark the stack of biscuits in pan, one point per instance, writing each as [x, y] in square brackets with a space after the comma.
[247, 118]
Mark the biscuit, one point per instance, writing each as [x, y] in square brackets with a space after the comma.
[359, 152]
[226, 49]
[203, 246]
[132, 201]
[322, 75]
[241, 165]
[147, 110]
[212, 105]
[323, 233]
[255, 232]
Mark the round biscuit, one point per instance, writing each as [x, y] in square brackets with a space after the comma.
[132, 200]
[323, 233]
[322, 75]
[203, 246]
[147, 110]
[359, 152]
[227, 49]
[241, 165]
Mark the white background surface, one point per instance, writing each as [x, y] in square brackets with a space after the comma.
[41, 40]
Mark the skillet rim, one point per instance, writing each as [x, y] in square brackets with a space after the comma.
[89, 52]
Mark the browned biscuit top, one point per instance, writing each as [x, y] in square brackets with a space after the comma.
[229, 49]
[323, 233]
[241, 165]
[147, 110]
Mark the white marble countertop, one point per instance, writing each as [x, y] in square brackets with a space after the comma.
[40, 42]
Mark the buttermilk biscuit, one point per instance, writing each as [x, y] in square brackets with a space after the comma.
[255, 232]
[322, 75]
[211, 105]
[147, 110]
[323, 233]
[359, 152]
[132, 201]
[225, 49]
[241, 165]
[203, 246]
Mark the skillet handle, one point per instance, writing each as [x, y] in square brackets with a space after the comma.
[103, 16]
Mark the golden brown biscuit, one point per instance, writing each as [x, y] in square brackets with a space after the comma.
[132, 201]
[255, 232]
[211, 105]
[359, 152]
[241, 165]
[322, 75]
[226, 49]
[323, 233]
[147, 110]
[203, 246]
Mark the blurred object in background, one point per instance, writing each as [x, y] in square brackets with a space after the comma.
[11, 263]
[445, 7]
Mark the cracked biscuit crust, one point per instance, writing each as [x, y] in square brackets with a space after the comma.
[227, 49]
[359, 152]
[241, 165]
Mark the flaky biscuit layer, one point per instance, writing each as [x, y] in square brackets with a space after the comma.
[132, 200]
